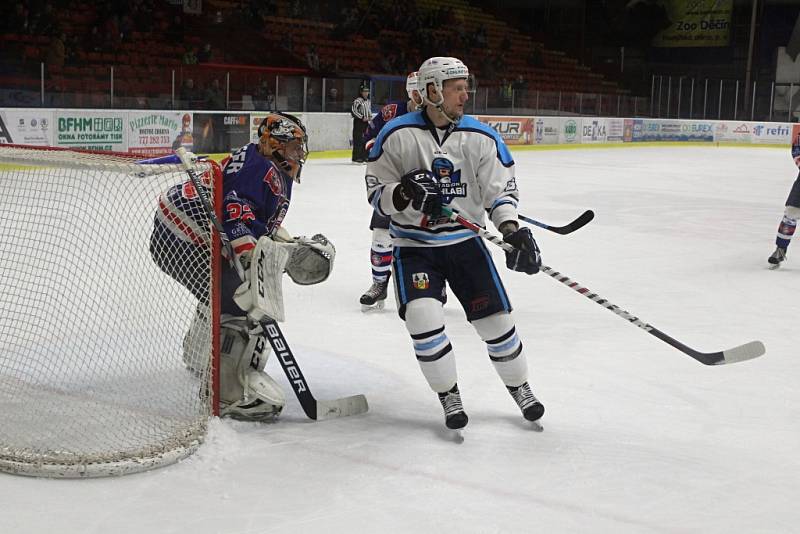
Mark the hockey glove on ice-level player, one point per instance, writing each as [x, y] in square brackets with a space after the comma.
[422, 190]
[525, 257]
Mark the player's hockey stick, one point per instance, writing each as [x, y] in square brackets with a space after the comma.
[582, 220]
[744, 352]
[313, 408]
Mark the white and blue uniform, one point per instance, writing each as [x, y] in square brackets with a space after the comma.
[475, 174]
[473, 186]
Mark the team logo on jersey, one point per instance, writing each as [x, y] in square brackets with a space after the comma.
[273, 180]
[511, 185]
[420, 281]
[449, 179]
[389, 111]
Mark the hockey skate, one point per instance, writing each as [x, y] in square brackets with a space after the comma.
[530, 406]
[374, 297]
[454, 416]
[777, 258]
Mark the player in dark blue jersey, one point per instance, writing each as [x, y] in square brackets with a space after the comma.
[381, 250]
[791, 214]
[257, 182]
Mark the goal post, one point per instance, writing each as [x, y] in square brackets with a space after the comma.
[108, 365]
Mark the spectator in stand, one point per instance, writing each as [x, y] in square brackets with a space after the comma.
[175, 30]
[520, 87]
[312, 58]
[506, 91]
[263, 98]
[536, 59]
[190, 56]
[94, 42]
[332, 103]
[126, 27]
[313, 100]
[213, 98]
[361, 111]
[44, 22]
[18, 21]
[205, 55]
[57, 52]
[189, 96]
[112, 33]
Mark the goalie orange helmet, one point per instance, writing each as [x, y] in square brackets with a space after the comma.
[283, 138]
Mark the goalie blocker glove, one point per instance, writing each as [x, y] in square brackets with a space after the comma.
[526, 256]
[421, 189]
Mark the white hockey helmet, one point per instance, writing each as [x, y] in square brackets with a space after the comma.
[437, 70]
[411, 84]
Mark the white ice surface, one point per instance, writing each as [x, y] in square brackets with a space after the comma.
[638, 437]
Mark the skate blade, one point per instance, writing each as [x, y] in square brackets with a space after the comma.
[773, 267]
[366, 308]
[457, 435]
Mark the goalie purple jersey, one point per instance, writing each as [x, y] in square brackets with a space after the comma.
[256, 196]
[387, 113]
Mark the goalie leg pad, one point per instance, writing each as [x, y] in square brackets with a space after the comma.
[311, 261]
[247, 392]
[197, 341]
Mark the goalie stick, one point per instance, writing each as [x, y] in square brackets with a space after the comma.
[313, 408]
[740, 353]
[582, 220]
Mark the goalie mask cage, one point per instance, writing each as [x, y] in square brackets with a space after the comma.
[106, 365]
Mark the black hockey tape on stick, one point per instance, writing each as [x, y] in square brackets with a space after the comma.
[582, 220]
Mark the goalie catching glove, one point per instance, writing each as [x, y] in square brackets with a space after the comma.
[311, 261]
[306, 260]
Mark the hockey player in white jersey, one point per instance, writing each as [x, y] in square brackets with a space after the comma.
[434, 157]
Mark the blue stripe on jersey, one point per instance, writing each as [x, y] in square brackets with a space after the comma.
[501, 201]
[427, 236]
[495, 277]
[398, 277]
[471, 124]
[409, 120]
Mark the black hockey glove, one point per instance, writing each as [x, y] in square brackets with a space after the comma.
[525, 257]
[422, 190]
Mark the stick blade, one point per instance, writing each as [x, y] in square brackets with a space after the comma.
[346, 406]
[582, 220]
[742, 353]
[748, 351]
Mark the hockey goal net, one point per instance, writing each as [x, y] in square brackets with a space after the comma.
[94, 367]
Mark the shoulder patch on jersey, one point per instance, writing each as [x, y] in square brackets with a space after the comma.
[511, 185]
[389, 111]
[274, 181]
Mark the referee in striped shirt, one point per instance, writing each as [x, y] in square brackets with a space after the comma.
[362, 114]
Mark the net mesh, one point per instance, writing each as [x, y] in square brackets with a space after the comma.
[104, 358]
